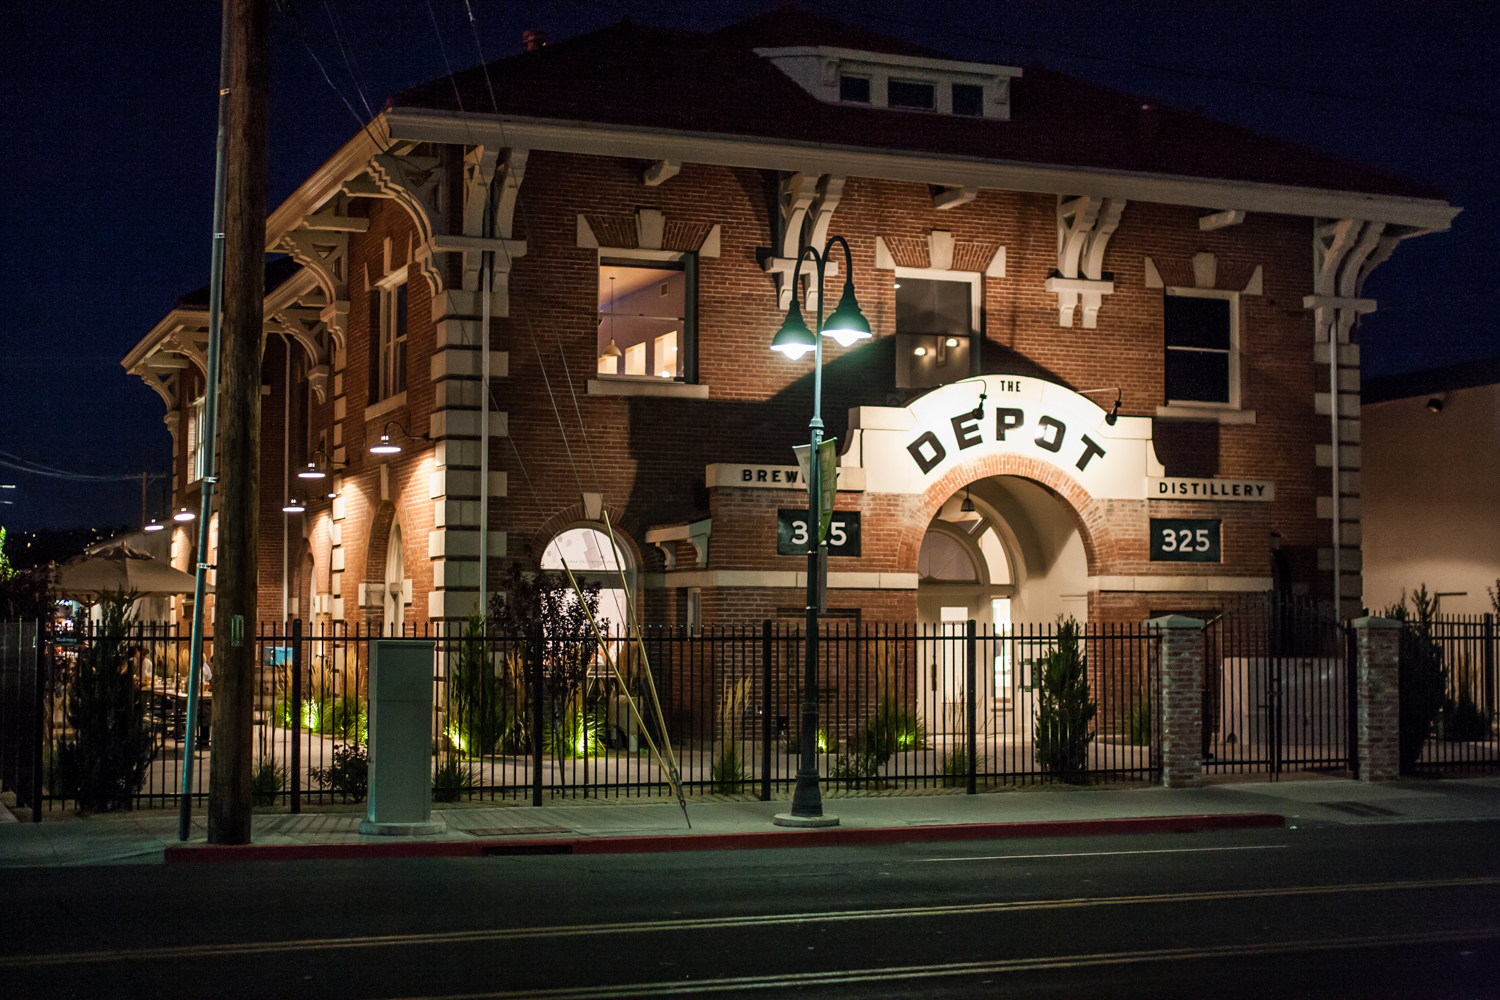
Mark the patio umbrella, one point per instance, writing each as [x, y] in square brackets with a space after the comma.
[120, 567]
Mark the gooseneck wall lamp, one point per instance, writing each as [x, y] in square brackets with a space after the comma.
[846, 325]
[386, 446]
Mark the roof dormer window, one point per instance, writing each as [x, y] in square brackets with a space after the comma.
[912, 96]
[896, 82]
[968, 100]
[855, 89]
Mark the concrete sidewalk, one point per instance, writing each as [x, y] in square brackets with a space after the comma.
[142, 837]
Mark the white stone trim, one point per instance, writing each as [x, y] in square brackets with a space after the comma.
[1178, 584]
[645, 385]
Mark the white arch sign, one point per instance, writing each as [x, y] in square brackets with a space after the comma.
[907, 449]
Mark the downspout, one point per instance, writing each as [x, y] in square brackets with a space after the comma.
[486, 272]
[286, 478]
[1333, 407]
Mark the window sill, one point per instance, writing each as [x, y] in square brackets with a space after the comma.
[1183, 411]
[388, 405]
[646, 386]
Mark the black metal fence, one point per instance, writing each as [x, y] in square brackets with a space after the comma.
[1465, 734]
[546, 717]
[22, 705]
[1277, 688]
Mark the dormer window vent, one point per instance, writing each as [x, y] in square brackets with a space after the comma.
[901, 83]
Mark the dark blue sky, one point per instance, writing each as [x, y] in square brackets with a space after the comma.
[109, 111]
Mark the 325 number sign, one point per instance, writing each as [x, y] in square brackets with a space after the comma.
[791, 533]
[1175, 539]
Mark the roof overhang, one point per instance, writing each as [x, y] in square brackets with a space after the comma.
[423, 125]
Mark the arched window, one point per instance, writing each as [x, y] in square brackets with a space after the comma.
[945, 558]
[395, 566]
[588, 553]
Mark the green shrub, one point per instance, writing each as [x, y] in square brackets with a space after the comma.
[1421, 675]
[1140, 724]
[1065, 709]
[956, 769]
[579, 733]
[348, 776]
[103, 761]
[266, 782]
[729, 771]
[480, 715]
[794, 744]
[343, 717]
[451, 781]
[1465, 722]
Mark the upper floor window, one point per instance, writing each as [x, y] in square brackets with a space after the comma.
[904, 94]
[935, 323]
[854, 88]
[1202, 346]
[197, 452]
[388, 325]
[968, 99]
[647, 318]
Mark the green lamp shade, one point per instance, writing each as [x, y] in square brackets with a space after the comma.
[847, 324]
[794, 339]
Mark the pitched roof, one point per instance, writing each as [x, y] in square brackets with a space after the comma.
[278, 271]
[1430, 381]
[684, 81]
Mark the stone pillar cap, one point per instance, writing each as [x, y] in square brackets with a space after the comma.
[1372, 621]
[1175, 621]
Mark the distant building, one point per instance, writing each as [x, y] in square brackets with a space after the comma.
[1102, 340]
[1431, 490]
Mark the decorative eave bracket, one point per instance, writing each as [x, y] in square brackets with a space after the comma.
[1084, 226]
[695, 534]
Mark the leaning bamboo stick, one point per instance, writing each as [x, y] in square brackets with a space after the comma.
[671, 770]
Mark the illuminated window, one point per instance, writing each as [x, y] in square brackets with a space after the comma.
[647, 325]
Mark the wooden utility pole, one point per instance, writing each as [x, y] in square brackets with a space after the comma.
[245, 168]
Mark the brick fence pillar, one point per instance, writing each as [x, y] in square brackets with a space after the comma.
[1378, 698]
[1181, 687]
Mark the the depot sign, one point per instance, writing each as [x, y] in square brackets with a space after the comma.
[905, 450]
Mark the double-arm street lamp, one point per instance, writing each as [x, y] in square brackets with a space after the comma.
[846, 325]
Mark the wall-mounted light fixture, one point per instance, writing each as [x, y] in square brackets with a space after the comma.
[155, 525]
[184, 515]
[1114, 414]
[385, 446]
[1435, 404]
[293, 506]
[318, 469]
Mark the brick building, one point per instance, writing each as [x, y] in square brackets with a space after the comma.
[1101, 380]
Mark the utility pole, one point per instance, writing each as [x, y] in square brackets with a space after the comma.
[245, 168]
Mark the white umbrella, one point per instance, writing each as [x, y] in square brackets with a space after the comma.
[121, 567]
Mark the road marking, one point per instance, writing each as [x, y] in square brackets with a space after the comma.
[1105, 854]
[180, 952]
[802, 980]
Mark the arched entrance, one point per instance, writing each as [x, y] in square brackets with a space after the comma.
[1007, 553]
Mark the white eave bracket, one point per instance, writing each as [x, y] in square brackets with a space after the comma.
[696, 534]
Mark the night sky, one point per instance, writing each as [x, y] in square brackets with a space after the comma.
[109, 113]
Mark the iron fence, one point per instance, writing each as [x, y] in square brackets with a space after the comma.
[1464, 734]
[1277, 688]
[545, 716]
[22, 697]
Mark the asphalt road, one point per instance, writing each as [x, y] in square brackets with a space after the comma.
[1405, 910]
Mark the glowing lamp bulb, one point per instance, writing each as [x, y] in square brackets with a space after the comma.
[385, 447]
[184, 515]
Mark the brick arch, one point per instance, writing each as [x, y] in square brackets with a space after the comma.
[574, 516]
[1088, 513]
[375, 546]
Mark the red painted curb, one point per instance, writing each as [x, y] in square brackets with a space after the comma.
[759, 840]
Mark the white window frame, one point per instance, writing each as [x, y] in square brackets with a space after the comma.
[1234, 350]
[387, 286]
[196, 451]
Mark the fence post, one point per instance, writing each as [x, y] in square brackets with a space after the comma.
[1489, 662]
[38, 684]
[296, 699]
[1181, 679]
[765, 710]
[536, 714]
[971, 698]
[1379, 692]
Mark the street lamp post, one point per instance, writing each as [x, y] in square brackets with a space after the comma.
[846, 325]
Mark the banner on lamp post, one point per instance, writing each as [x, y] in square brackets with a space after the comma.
[828, 480]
